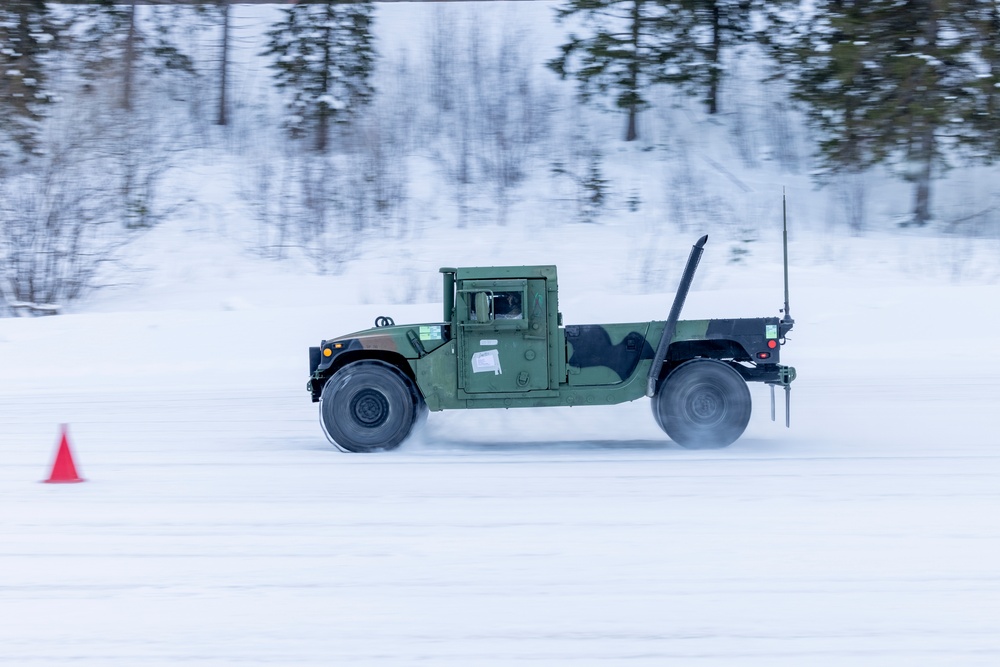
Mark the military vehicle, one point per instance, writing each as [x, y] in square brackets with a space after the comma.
[501, 343]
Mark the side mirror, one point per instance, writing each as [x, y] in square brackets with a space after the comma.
[483, 313]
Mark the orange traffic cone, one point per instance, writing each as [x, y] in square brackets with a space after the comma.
[63, 470]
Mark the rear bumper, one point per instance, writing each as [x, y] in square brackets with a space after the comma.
[773, 374]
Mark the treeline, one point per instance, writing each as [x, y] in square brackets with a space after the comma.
[913, 84]
[910, 85]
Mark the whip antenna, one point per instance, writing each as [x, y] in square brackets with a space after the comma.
[784, 242]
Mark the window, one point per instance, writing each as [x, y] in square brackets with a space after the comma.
[502, 305]
[507, 305]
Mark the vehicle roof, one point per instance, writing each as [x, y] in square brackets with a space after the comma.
[546, 271]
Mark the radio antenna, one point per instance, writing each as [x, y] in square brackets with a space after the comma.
[784, 242]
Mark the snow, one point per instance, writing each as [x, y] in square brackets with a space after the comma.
[218, 527]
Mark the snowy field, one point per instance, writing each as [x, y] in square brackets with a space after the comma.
[218, 527]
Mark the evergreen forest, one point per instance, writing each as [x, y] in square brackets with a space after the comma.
[336, 118]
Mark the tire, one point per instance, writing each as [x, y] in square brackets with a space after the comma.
[420, 414]
[703, 404]
[655, 404]
[368, 406]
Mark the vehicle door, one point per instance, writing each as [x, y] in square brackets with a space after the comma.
[503, 336]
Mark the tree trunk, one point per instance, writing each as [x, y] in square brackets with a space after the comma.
[922, 191]
[224, 65]
[631, 133]
[922, 203]
[714, 55]
[992, 56]
[129, 63]
[927, 146]
[323, 122]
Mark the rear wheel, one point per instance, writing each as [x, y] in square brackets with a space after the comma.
[368, 406]
[703, 404]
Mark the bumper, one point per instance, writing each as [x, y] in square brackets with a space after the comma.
[772, 374]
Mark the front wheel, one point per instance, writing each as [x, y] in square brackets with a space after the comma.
[703, 404]
[368, 406]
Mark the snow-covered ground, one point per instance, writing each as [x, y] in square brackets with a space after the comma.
[218, 527]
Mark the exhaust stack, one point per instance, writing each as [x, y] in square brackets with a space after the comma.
[675, 312]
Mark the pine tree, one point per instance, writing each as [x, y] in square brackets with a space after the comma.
[898, 82]
[324, 55]
[705, 29]
[636, 44]
[119, 38]
[984, 16]
[622, 56]
[28, 34]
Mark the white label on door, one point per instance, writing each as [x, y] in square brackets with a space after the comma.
[485, 362]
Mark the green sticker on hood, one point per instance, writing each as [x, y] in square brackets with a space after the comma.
[430, 332]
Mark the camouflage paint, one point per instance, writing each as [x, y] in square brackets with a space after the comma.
[534, 361]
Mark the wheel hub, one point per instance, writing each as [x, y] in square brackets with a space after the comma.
[706, 406]
[369, 408]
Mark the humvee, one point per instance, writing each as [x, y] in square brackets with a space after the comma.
[502, 343]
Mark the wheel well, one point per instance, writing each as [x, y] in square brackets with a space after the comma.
[724, 350]
[397, 361]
